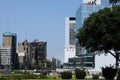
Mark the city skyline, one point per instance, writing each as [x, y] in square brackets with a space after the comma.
[40, 19]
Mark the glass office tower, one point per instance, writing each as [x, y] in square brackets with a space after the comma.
[87, 8]
[10, 40]
[87, 60]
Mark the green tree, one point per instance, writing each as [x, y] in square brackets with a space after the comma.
[101, 32]
[34, 65]
[40, 64]
[48, 64]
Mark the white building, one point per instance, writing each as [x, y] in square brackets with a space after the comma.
[70, 49]
[103, 60]
[6, 56]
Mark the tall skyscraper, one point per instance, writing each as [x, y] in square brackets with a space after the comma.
[39, 50]
[87, 8]
[10, 40]
[70, 49]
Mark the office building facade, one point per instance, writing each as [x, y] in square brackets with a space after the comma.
[85, 61]
[87, 8]
[6, 57]
[10, 40]
[70, 48]
[30, 53]
[24, 55]
[39, 50]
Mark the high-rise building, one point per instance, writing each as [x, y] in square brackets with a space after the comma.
[24, 55]
[70, 49]
[87, 8]
[10, 40]
[39, 50]
[29, 53]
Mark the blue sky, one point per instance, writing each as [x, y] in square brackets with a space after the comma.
[38, 19]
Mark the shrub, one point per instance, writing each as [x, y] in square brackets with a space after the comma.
[2, 78]
[80, 74]
[43, 75]
[26, 73]
[109, 72]
[66, 75]
[28, 76]
[95, 76]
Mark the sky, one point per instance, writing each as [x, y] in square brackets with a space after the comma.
[38, 19]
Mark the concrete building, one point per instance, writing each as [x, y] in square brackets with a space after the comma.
[70, 49]
[39, 50]
[84, 62]
[30, 53]
[57, 62]
[10, 40]
[6, 57]
[88, 7]
[24, 55]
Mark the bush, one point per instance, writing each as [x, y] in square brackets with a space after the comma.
[2, 78]
[66, 75]
[28, 76]
[19, 77]
[26, 73]
[43, 75]
[80, 74]
[95, 76]
[109, 72]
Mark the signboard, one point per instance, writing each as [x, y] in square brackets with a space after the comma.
[97, 2]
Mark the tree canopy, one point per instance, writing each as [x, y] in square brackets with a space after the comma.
[101, 30]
